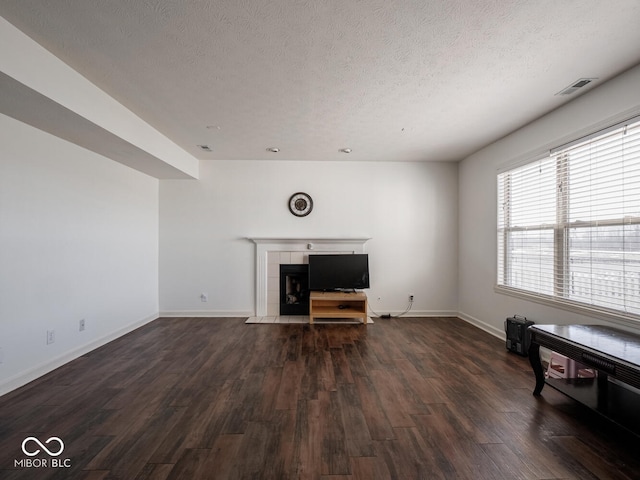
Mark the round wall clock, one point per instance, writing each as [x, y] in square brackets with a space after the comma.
[300, 204]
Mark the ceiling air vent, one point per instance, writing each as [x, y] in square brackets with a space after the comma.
[575, 86]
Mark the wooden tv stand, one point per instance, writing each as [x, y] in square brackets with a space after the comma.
[338, 305]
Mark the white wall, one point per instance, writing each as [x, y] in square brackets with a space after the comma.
[408, 209]
[78, 239]
[616, 100]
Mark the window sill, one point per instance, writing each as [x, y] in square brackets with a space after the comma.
[624, 319]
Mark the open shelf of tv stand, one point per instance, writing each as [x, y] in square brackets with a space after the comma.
[338, 305]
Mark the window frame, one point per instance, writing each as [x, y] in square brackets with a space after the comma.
[562, 229]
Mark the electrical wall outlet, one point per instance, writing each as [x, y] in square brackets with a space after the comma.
[81, 325]
[204, 297]
[411, 297]
[51, 336]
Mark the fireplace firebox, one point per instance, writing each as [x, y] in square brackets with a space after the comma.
[294, 289]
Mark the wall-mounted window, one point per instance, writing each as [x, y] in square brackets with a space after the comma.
[569, 223]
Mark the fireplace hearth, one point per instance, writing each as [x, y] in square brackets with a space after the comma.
[294, 289]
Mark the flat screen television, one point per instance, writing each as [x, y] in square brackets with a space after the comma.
[339, 272]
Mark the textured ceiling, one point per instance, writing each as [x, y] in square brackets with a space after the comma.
[394, 80]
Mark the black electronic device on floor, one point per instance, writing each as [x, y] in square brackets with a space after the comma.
[518, 336]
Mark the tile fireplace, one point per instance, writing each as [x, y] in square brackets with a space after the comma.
[272, 252]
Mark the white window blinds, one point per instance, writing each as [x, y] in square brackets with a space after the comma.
[569, 223]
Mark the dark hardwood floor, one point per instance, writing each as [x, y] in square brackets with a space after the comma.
[215, 398]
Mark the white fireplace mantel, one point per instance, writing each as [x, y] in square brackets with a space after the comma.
[264, 245]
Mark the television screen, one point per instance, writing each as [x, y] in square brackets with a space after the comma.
[338, 272]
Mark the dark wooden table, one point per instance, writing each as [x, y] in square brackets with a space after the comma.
[614, 353]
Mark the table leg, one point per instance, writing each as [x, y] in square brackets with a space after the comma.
[536, 364]
[603, 392]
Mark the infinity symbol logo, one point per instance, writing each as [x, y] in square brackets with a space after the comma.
[34, 439]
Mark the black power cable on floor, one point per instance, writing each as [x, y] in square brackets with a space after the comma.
[388, 316]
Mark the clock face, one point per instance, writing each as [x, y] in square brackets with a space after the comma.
[300, 204]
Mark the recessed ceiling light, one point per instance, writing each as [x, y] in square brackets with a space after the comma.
[345, 150]
[273, 149]
[206, 148]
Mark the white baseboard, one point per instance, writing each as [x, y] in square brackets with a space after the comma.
[496, 332]
[38, 371]
[415, 313]
[207, 313]
[247, 313]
